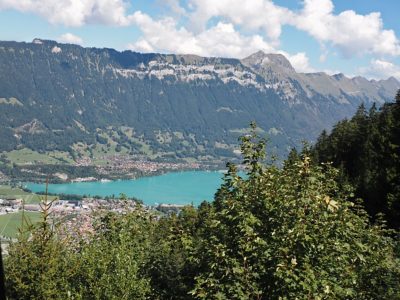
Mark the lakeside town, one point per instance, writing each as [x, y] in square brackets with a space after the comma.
[76, 216]
[125, 164]
[129, 162]
[105, 168]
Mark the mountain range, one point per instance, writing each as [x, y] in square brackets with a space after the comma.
[61, 96]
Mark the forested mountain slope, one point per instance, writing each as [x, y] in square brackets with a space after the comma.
[55, 95]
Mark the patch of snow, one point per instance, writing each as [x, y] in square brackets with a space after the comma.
[274, 131]
[266, 61]
[187, 73]
[160, 74]
[194, 76]
[37, 41]
[343, 100]
[56, 50]
[237, 151]
[226, 109]
[286, 90]
[190, 72]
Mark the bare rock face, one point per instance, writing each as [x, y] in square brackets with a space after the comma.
[261, 60]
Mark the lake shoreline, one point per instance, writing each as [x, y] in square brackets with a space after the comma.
[178, 187]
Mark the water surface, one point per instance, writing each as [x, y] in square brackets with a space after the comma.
[189, 187]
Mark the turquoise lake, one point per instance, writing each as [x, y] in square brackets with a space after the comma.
[175, 188]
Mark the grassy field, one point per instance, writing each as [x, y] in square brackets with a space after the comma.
[9, 223]
[29, 198]
[27, 156]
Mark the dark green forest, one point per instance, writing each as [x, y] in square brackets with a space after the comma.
[366, 150]
[293, 232]
[52, 101]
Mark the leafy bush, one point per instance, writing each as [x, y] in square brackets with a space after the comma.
[287, 233]
[103, 263]
[291, 233]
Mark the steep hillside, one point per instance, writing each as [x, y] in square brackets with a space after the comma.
[53, 96]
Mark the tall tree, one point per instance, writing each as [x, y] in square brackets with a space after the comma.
[366, 149]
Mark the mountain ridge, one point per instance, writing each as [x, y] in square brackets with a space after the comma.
[199, 105]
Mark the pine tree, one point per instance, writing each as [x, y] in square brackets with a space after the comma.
[366, 149]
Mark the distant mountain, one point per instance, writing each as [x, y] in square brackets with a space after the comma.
[60, 96]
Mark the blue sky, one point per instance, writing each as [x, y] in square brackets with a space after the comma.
[358, 37]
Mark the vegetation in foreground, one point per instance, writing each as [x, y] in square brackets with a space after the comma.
[366, 150]
[276, 234]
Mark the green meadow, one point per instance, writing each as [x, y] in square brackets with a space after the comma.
[29, 198]
[11, 222]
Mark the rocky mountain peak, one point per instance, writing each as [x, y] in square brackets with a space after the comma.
[339, 76]
[256, 56]
[393, 80]
[262, 60]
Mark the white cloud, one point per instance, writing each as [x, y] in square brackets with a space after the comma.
[299, 62]
[163, 35]
[220, 40]
[174, 6]
[238, 28]
[74, 12]
[250, 14]
[352, 33]
[381, 69]
[70, 39]
[224, 40]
